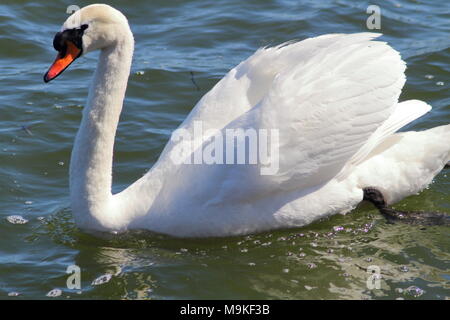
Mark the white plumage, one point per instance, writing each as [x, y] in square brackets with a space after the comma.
[333, 100]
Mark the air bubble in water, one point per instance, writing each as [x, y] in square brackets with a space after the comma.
[54, 293]
[16, 219]
[404, 269]
[102, 279]
[415, 291]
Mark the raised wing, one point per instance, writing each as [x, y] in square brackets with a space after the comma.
[246, 85]
[326, 96]
[327, 104]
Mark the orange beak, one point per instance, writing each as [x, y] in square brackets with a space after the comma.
[62, 62]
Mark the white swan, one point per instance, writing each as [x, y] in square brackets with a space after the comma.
[333, 100]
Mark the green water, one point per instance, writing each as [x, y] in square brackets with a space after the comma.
[174, 38]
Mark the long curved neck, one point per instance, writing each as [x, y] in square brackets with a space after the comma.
[92, 154]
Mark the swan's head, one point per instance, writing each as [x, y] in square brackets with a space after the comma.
[94, 27]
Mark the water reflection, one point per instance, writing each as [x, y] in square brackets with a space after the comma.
[328, 260]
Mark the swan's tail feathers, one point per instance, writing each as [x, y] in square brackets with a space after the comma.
[405, 113]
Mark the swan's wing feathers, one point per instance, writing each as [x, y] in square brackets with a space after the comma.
[328, 103]
[244, 86]
[326, 96]
[404, 113]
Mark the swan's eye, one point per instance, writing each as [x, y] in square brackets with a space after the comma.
[84, 27]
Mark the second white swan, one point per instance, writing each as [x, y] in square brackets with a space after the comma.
[333, 101]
